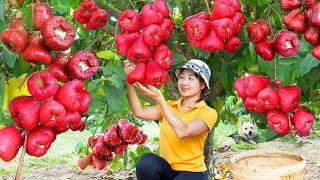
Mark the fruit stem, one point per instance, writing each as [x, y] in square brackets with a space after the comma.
[207, 4]
[112, 120]
[275, 68]
[95, 131]
[290, 125]
[115, 34]
[132, 5]
[18, 173]
[277, 13]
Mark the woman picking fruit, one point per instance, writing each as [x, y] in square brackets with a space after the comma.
[185, 124]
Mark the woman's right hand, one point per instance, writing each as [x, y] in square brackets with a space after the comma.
[128, 66]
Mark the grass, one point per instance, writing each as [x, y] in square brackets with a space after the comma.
[62, 151]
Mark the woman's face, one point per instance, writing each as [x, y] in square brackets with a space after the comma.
[189, 85]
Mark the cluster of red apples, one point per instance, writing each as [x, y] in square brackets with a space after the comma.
[143, 40]
[90, 15]
[219, 29]
[113, 142]
[304, 17]
[281, 104]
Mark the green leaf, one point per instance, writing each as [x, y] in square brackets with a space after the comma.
[91, 43]
[289, 61]
[27, 16]
[175, 12]
[116, 163]
[61, 6]
[137, 154]
[252, 51]
[307, 64]
[204, 55]
[232, 117]
[305, 46]
[308, 83]
[244, 60]
[81, 148]
[21, 67]
[253, 3]
[284, 73]
[94, 84]
[242, 145]
[227, 74]
[114, 74]
[125, 159]
[266, 66]
[6, 120]
[178, 60]
[116, 98]
[2, 11]
[9, 57]
[108, 55]
[219, 105]
[74, 4]
[315, 106]
[271, 135]
[2, 84]
[98, 99]
[2, 26]
[114, 87]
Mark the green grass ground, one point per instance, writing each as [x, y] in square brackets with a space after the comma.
[62, 151]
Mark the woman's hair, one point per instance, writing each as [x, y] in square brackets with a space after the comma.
[203, 95]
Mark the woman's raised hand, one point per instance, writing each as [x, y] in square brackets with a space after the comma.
[128, 66]
[150, 91]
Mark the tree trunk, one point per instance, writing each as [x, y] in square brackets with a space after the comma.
[208, 153]
[172, 87]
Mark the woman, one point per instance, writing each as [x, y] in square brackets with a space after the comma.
[185, 124]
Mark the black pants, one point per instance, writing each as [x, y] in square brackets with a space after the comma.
[153, 167]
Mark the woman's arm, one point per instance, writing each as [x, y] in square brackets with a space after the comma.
[182, 130]
[146, 113]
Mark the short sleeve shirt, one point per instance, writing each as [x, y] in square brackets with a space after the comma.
[186, 154]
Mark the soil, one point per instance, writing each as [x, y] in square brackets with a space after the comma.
[310, 148]
[63, 172]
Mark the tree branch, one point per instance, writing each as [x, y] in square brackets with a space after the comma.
[208, 7]
[110, 9]
[23, 152]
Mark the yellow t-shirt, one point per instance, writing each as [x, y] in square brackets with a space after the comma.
[186, 154]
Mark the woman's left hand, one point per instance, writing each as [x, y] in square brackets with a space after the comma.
[150, 91]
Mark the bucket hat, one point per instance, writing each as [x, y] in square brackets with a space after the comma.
[199, 67]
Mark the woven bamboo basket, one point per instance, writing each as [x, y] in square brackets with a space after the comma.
[267, 165]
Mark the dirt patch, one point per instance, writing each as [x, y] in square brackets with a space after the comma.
[63, 172]
[309, 148]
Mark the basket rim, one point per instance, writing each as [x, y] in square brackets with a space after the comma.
[259, 152]
[280, 172]
[263, 176]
